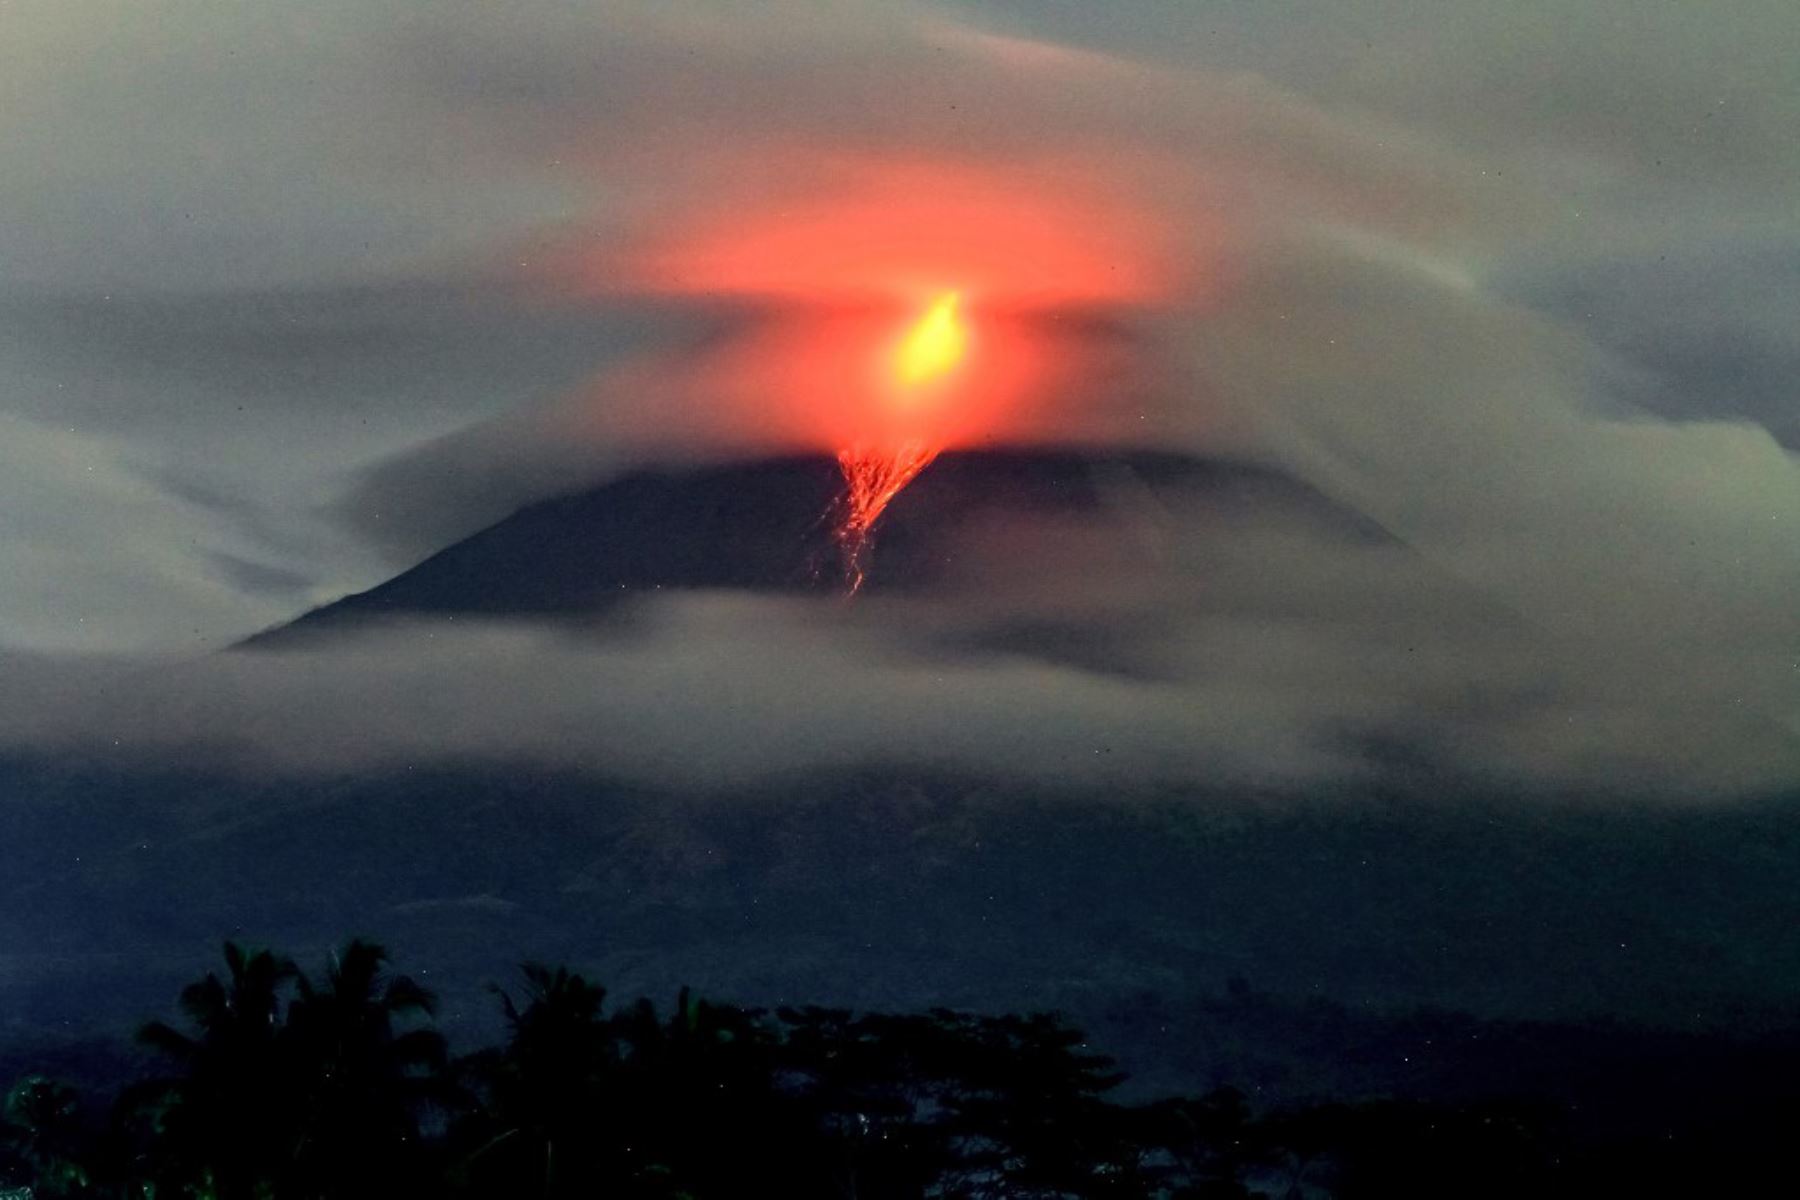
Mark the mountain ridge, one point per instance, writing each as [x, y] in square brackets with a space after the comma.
[766, 525]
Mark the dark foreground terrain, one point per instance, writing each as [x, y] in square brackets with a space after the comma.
[278, 1083]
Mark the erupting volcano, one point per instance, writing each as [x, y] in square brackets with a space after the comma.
[883, 314]
[874, 473]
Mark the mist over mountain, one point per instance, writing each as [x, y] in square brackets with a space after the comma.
[770, 526]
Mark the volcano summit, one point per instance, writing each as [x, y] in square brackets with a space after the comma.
[769, 526]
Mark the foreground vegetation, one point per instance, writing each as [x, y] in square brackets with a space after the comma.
[283, 1085]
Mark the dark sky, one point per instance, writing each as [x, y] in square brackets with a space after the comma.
[292, 295]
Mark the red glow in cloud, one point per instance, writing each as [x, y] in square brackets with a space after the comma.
[845, 270]
[910, 232]
[905, 314]
[823, 379]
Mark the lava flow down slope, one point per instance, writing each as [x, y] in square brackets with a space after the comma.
[979, 519]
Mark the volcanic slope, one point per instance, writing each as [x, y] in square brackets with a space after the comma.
[769, 525]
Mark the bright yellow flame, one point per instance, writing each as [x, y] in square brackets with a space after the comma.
[934, 346]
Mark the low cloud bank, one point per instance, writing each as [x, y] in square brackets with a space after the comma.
[1261, 659]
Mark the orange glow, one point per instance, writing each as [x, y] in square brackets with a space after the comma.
[824, 379]
[903, 231]
[933, 347]
[885, 301]
[887, 312]
[820, 379]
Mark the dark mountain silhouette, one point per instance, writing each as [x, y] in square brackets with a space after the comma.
[887, 891]
[767, 526]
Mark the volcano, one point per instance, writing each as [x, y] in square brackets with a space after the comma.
[771, 526]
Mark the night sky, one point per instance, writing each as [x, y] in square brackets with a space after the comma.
[1383, 408]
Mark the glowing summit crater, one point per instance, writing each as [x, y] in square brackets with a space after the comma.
[934, 346]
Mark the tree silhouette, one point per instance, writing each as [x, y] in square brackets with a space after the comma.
[281, 1087]
[1026, 1110]
[869, 1088]
[1212, 1143]
[41, 1132]
[225, 1125]
[364, 1080]
[546, 1105]
[707, 1105]
[324, 1104]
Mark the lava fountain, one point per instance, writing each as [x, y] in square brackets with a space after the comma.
[875, 472]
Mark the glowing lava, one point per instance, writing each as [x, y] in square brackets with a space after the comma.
[926, 357]
[871, 479]
[934, 346]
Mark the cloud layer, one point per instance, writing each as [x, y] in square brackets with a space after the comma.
[294, 296]
[1222, 650]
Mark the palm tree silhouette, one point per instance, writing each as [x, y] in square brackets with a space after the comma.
[225, 1124]
[365, 1079]
[543, 1128]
